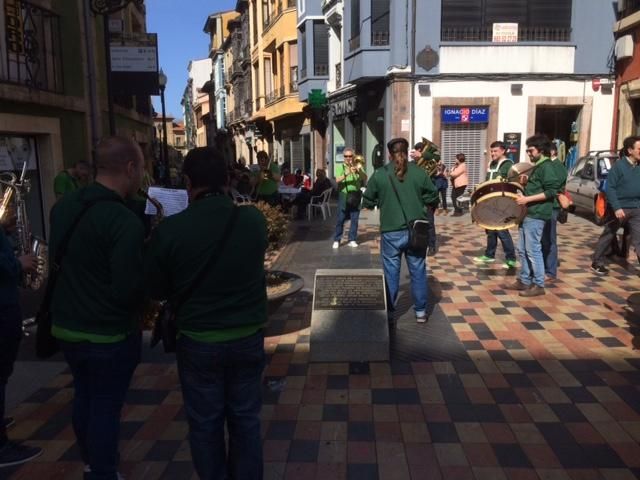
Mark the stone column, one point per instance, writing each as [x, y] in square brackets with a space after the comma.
[398, 108]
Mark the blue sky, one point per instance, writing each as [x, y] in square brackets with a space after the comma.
[178, 24]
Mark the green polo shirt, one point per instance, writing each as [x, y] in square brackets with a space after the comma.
[269, 186]
[544, 178]
[64, 183]
[416, 191]
[231, 301]
[99, 289]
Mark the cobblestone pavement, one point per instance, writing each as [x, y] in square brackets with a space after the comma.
[546, 388]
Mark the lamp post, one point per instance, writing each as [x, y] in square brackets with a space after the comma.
[162, 83]
[106, 8]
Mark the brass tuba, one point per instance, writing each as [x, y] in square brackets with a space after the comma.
[13, 203]
[518, 170]
[430, 156]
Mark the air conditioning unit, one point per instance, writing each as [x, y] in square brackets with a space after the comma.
[624, 47]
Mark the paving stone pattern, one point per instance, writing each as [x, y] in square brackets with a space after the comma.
[493, 387]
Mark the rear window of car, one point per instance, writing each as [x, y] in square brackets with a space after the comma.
[604, 165]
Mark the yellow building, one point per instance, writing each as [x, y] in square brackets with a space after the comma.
[279, 125]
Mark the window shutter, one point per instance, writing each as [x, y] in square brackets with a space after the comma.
[550, 13]
[461, 13]
[379, 16]
[470, 139]
[506, 11]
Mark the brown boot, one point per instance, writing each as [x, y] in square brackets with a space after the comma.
[517, 285]
[534, 291]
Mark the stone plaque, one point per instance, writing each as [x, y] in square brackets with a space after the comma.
[349, 292]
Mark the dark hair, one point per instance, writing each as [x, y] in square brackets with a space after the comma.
[206, 168]
[628, 143]
[541, 143]
[114, 153]
[461, 158]
[262, 154]
[418, 146]
[498, 144]
[398, 141]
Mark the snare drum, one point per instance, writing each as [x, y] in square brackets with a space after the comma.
[494, 207]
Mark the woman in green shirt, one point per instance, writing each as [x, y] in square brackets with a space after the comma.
[351, 178]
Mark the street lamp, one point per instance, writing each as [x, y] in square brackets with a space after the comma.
[162, 83]
[106, 8]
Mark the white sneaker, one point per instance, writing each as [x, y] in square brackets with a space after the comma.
[352, 244]
[335, 245]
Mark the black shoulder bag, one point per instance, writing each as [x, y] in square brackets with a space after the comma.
[165, 328]
[354, 197]
[46, 343]
[418, 229]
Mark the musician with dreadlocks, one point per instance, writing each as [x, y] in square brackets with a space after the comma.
[401, 190]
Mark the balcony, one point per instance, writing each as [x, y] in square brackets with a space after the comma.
[525, 34]
[629, 8]
[248, 106]
[379, 38]
[271, 96]
[32, 54]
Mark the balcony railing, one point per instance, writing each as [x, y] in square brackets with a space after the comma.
[33, 47]
[248, 105]
[525, 34]
[338, 75]
[293, 87]
[321, 70]
[379, 38]
[354, 43]
[271, 96]
[630, 7]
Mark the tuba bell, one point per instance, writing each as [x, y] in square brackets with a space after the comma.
[430, 156]
[519, 169]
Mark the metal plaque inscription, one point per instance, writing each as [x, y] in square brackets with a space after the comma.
[349, 292]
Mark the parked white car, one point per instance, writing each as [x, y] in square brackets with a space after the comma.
[586, 176]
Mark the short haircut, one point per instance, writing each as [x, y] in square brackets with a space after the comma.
[262, 155]
[206, 168]
[498, 144]
[398, 145]
[628, 144]
[114, 153]
[418, 146]
[541, 143]
[461, 158]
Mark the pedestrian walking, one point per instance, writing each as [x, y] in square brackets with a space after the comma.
[460, 181]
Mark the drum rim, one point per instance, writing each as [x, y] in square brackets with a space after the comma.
[515, 222]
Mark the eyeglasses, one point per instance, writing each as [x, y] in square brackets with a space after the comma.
[348, 156]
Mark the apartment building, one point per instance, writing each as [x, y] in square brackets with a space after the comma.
[199, 73]
[278, 122]
[461, 73]
[627, 57]
[53, 96]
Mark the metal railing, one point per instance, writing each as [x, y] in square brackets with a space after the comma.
[271, 96]
[379, 38]
[248, 105]
[33, 48]
[338, 75]
[320, 69]
[525, 34]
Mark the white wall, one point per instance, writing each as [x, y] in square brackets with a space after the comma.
[200, 72]
[514, 109]
[507, 59]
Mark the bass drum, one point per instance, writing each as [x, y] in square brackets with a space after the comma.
[494, 207]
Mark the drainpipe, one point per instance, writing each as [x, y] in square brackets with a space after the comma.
[413, 69]
[91, 73]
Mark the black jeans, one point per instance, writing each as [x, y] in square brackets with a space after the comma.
[10, 336]
[221, 382]
[455, 193]
[431, 232]
[632, 220]
[101, 376]
[443, 198]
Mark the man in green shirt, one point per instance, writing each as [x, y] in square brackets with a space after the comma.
[498, 170]
[415, 191]
[350, 177]
[71, 179]
[541, 188]
[550, 233]
[220, 349]
[96, 302]
[267, 179]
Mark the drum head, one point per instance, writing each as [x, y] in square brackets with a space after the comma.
[494, 205]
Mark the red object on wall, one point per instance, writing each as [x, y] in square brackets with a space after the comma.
[595, 84]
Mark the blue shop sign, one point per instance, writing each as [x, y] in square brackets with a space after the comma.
[465, 115]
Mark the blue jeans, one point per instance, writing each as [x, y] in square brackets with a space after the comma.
[10, 336]
[550, 245]
[530, 251]
[394, 244]
[101, 376]
[505, 239]
[222, 382]
[345, 213]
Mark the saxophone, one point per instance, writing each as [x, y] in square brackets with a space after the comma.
[13, 197]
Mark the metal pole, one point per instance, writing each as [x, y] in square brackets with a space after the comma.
[107, 56]
[165, 149]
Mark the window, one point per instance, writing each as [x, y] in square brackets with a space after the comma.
[354, 41]
[293, 67]
[379, 22]
[303, 51]
[320, 49]
[255, 22]
[538, 20]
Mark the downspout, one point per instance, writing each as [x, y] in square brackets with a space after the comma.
[91, 74]
[413, 70]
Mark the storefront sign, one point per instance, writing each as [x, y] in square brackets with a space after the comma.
[134, 59]
[465, 115]
[344, 107]
[505, 32]
[134, 64]
[512, 141]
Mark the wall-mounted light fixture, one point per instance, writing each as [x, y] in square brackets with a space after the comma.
[516, 89]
